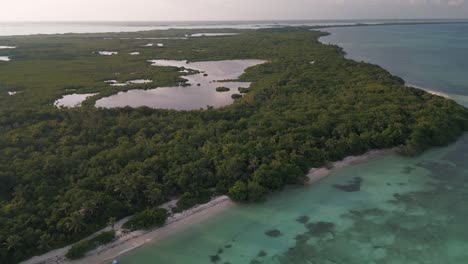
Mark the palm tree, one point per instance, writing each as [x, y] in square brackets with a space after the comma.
[13, 242]
[64, 208]
[44, 242]
[153, 194]
[88, 208]
[124, 189]
[75, 222]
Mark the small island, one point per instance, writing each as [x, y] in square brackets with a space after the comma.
[222, 89]
[236, 96]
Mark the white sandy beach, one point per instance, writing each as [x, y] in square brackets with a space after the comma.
[129, 241]
[174, 223]
[431, 91]
[438, 93]
[316, 174]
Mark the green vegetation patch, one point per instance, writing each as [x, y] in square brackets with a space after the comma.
[188, 200]
[79, 249]
[243, 90]
[147, 219]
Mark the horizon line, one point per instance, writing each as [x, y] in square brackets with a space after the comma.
[240, 20]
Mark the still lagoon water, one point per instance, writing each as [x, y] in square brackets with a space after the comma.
[202, 80]
[72, 100]
[406, 210]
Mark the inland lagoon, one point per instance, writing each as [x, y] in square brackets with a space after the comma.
[107, 53]
[72, 100]
[203, 79]
[213, 34]
[136, 81]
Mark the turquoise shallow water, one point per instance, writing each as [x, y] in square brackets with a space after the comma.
[407, 210]
[392, 210]
[430, 56]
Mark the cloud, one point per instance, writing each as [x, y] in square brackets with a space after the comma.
[434, 2]
[404, 2]
[455, 2]
[446, 2]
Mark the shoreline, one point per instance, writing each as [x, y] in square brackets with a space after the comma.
[127, 242]
[316, 174]
[434, 92]
[136, 239]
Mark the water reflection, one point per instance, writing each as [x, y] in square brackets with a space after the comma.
[72, 100]
[136, 81]
[200, 93]
[153, 44]
[107, 53]
[213, 34]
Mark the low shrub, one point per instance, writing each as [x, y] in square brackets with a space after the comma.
[149, 218]
[78, 250]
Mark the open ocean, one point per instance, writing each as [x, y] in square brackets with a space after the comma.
[30, 28]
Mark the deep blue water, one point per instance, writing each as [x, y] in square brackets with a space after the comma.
[430, 56]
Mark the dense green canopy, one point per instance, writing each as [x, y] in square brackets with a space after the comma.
[65, 172]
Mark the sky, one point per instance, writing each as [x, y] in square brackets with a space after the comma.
[188, 10]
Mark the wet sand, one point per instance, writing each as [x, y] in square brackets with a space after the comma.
[316, 174]
[175, 223]
[431, 91]
[127, 241]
